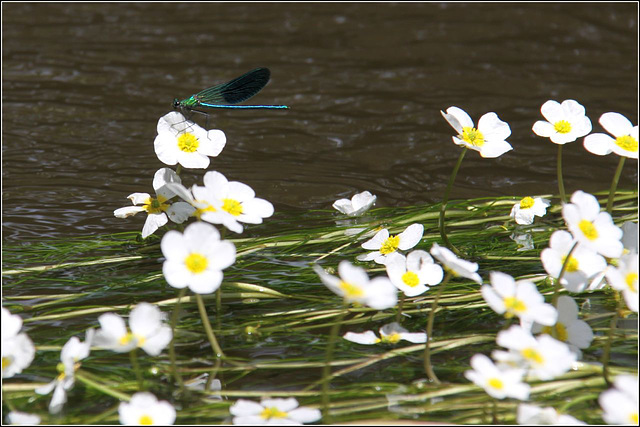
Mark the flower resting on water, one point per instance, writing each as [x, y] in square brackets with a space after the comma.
[158, 207]
[147, 331]
[590, 227]
[626, 137]
[414, 273]
[355, 287]
[535, 415]
[544, 356]
[624, 278]
[565, 123]
[358, 204]
[583, 263]
[272, 412]
[489, 139]
[382, 244]
[498, 383]
[196, 258]
[620, 403]
[390, 334]
[454, 265]
[182, 141]
[528, 208]
[521, 298]
[17, 349]
[72, 352]
[574, 332]
[145, 409]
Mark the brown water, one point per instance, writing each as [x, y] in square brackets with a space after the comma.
[84, 86]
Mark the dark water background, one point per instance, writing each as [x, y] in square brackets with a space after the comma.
[83, 86]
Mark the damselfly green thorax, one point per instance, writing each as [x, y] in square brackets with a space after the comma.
[226, 95]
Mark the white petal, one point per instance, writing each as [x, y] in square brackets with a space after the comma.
[368, 337]
[616, 124]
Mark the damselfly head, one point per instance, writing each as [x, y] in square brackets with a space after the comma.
[176, 103]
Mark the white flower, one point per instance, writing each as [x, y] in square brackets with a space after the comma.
[523, 240]
[568, 328]
[355, 287]
[383, 244]
[582, 266]
[17, 349]
[520, 298]
[498, 383]
[390, 334]
[358, 204]
[22, 418]
[412, 274]
[545, 357]
[147, 330]
[535, 415]
[566, 122]
[626, 137]
[525, 211]
[182, 141]
[454, 265]
[72, 352]
[196, 258]
[157, 206]
[489, 139]
[620, 404]
[145, 409]
[591, 227]
[230, 202]
[625, 278]
[272, 412]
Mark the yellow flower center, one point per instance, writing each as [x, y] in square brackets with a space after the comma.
[232, 206]
[562, 126]
[351, 290]
[572, 265]
[188, 142]
[126, 339]
[145, 420]
[155, 206]
[627, 143]
[632, 282]
[390, 245]
[272, 412]
[495, 383]
[199, 211]
[588, 229]
[532, 355]
[526, 203]
[391, 339]
[196, 263]
[514, 305]
[6, 362]
[410, 279]
[472, 136]
[559, 331]
[633, 418]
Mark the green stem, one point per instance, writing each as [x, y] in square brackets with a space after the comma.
[172, 350]
[207, 327]
[563, 196]
[400, 304]
[326, 370]
[136, 368]
[614, 184]
[427, 350]
[607, 347]
[102, 388]
[556, 289]
[443, 208]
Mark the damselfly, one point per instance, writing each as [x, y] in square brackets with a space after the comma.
[226, 95]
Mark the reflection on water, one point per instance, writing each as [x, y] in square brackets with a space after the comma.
[84, 86]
